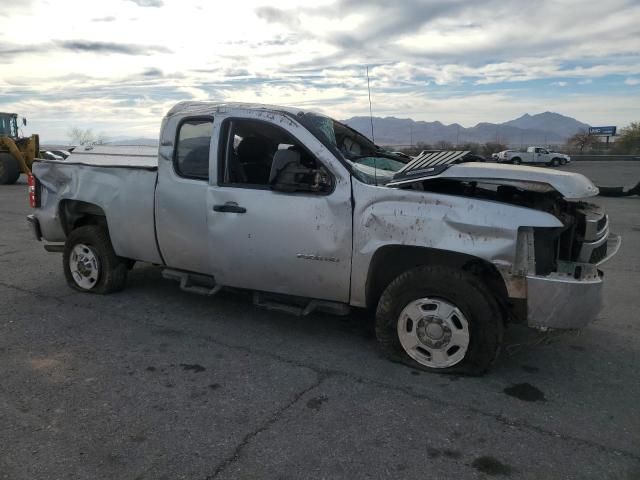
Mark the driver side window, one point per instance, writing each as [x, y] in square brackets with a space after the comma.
[257, 154]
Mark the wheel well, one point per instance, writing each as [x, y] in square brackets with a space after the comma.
[390, 261]
[76, 213]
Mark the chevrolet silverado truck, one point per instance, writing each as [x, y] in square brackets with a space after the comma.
[309, 214]
[533, 155]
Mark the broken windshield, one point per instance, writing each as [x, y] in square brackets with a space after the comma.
[369, 163]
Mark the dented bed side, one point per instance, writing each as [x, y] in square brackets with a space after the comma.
[125, 193]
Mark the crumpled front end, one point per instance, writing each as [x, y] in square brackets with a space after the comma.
[564, 291]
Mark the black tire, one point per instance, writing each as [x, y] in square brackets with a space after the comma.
[555, 162]
[516, 161]
[467, 292]
[112, 270]
[563, 161]
[9, 169]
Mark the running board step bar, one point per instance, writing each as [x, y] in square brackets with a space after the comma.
[271, 302]
[205, 285]
[193, 283]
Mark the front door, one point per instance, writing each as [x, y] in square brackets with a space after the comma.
[297, 242]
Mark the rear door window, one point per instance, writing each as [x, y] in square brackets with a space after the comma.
[191, 158]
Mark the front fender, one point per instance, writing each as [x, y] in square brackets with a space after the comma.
[479, 228]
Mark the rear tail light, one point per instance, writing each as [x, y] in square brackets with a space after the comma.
[34, 194]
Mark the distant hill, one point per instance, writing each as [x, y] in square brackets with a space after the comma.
[543, 128]
[152, 142]
[548, 121]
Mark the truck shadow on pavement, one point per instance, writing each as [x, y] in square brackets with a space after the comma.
[231, 312]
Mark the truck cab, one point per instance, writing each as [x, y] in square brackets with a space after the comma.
[311, 215]
[539, 154]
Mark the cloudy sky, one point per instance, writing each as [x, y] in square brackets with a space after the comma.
[117, 66]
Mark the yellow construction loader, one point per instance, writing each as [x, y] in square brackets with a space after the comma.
[16, 153]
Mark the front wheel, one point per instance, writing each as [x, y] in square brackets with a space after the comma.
[90, 264]
[440, 320]
[555, 162]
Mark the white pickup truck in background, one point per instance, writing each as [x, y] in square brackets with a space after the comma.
[537, 155]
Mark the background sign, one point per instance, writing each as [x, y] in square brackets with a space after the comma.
[610, 131]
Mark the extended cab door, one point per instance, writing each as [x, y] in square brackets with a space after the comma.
[181, 194]
[291, 242]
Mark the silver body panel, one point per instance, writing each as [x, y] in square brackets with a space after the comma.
[181, 213]
[561, 302]
[298, 244]
[386, 216]
[125, 194]
[316, 246]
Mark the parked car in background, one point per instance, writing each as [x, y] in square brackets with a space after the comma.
[61, 153]
[533, 155]
[48, 155]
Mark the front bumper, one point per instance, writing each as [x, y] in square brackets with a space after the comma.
[569, 299]
[559, 302]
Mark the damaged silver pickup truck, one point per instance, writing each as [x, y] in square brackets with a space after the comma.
[310, 215]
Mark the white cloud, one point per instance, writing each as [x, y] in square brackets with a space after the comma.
[461, 61]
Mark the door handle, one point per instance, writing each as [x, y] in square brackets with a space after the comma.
[229, 207]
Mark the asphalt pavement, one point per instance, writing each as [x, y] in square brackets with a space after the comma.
[155, 383]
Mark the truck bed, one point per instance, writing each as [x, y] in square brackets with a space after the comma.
[126, 156]
[120, 180]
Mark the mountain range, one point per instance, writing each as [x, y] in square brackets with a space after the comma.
[546, 128]
[543, 128]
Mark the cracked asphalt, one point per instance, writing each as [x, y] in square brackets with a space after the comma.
[155, 383]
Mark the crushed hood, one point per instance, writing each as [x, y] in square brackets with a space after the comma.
[571, 186]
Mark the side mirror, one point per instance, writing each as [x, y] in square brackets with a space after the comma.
[288, 174]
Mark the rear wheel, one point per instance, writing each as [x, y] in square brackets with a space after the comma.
[9, 169]
[516, 161]
[440, 320]
[90, 264]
